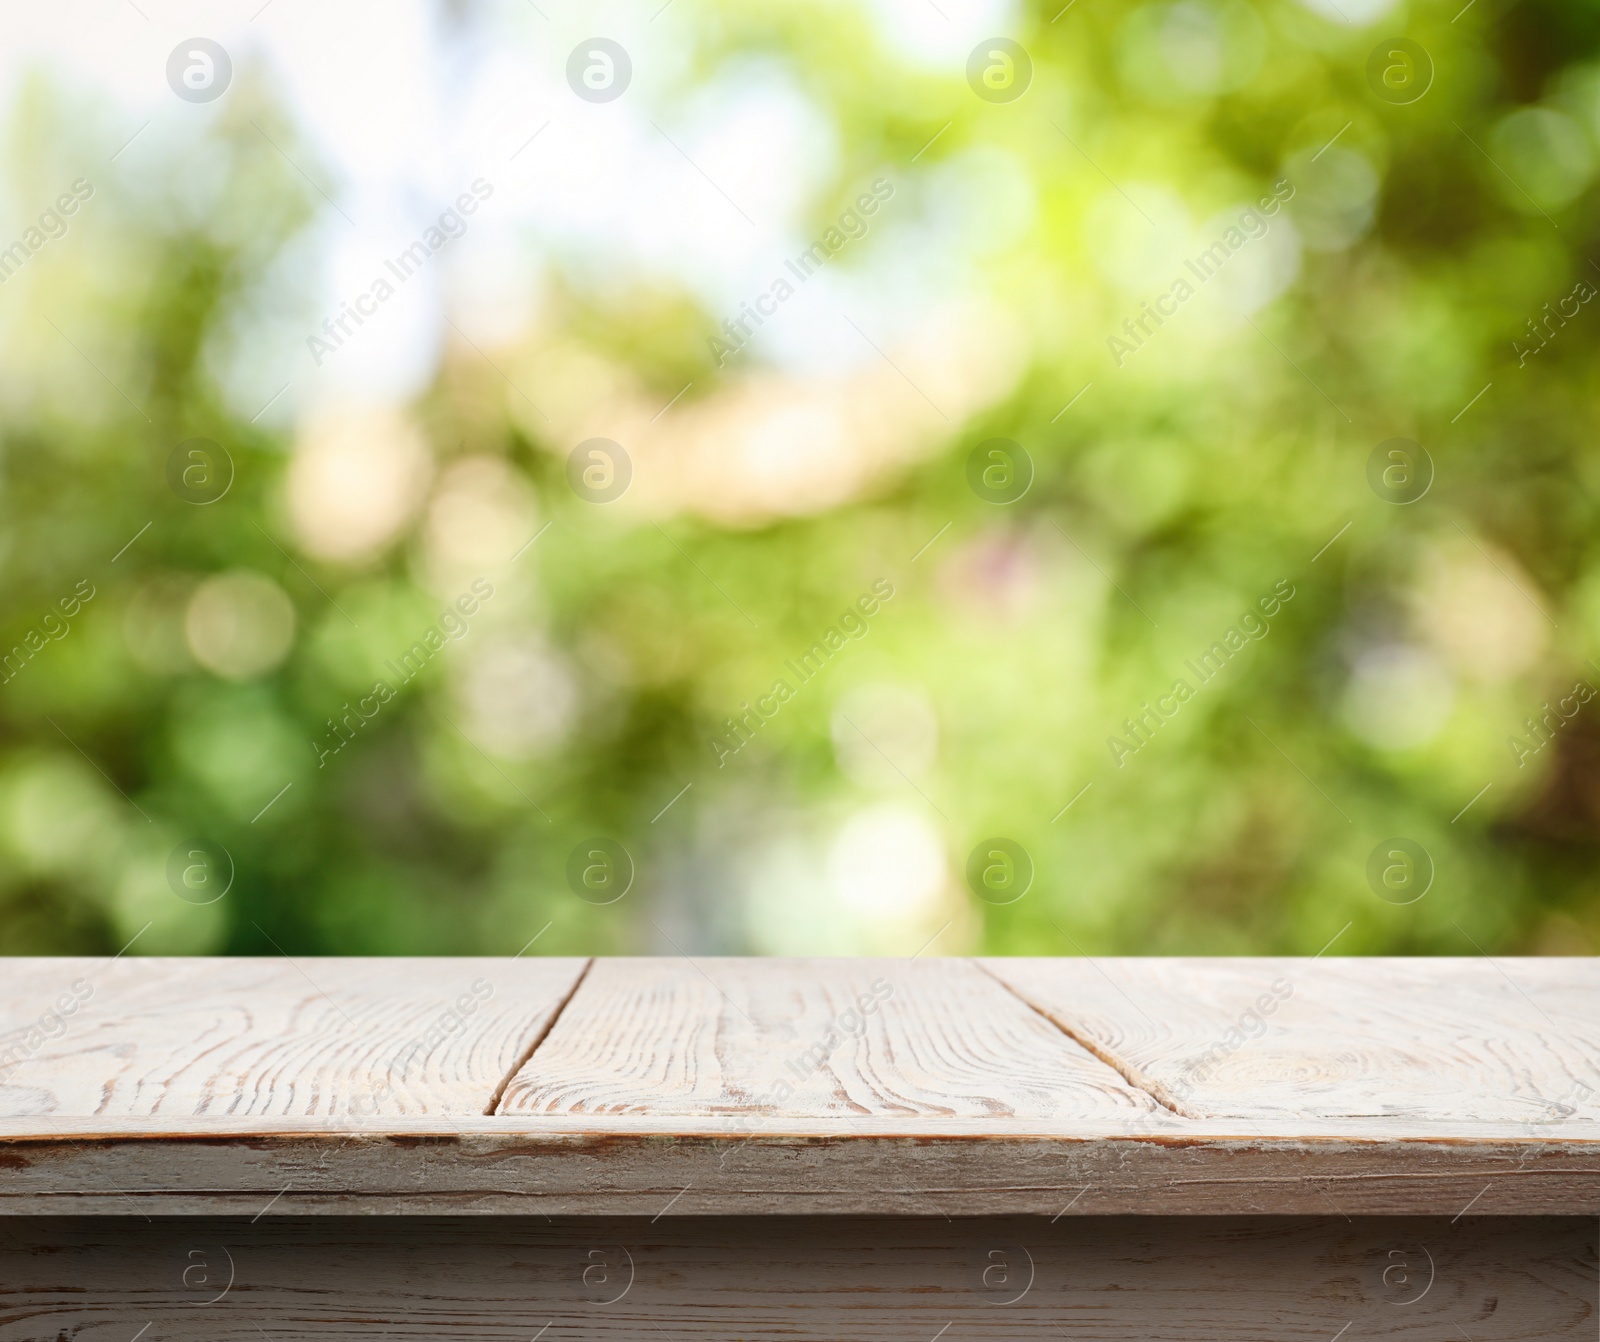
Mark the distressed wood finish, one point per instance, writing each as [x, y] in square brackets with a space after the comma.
[767, 1040]
[1433, 1047]
[1005, 1279]
[655, 1169]
[652, 1088]
[342, 1039]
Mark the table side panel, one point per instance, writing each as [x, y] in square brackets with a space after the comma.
[1133, 1279]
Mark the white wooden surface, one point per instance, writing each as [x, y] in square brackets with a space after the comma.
[813, 1039]
[340, 1039]
[652, 1087]
[1430, 1046]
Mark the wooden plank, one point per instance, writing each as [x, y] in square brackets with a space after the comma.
[754, 1041]
[1435, 1047]
[1006, 1279]
[353, 1040]
[631, 1166]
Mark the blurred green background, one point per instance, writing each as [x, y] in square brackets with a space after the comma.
[168, 770]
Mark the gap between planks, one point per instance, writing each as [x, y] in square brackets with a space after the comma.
[1122, 1066]
[522, 1061]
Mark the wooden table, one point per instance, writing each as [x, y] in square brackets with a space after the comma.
[1094, 1149]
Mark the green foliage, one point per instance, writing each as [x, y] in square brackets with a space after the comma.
[1222, 459]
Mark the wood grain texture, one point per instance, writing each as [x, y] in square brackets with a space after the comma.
[352, 1040]
[1111, 1280]
[764, 1040]
[477, 1166]
[921, 1088]
[1435, 1047]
